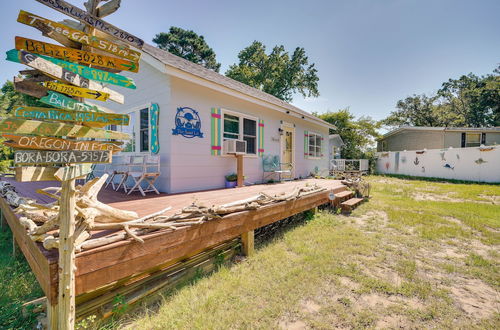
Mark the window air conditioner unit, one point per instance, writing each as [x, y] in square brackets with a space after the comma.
[235, 147]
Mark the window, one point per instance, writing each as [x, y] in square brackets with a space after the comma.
[240, 127]
[144, 130]
[472, 139]
[315, 145]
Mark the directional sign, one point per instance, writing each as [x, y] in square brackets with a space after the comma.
[79, 36]
[25, 126]
[93, 21]
[91, 119]
[49, 173]
[37, 157]
[63, 102]
[75, 55]
[29, 87]
[76, 91]
[84, 71]
[52, 143]
[72, 172]
[62, 74]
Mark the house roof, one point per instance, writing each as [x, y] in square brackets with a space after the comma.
[210, 75]
[450, 129]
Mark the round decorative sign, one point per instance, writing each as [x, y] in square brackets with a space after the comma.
[187, 123]
[331, 196]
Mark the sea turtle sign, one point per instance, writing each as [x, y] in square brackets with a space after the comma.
[187, 123]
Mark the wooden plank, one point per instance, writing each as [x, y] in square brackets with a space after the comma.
[81, 37]
[63, 102]
[75, 55]
[247, 243]
[37, 157]
[59, 73]
[73, 172]
[76, 91]
[32, 173]
[34, 76]
[84, 71]
[29, 88]
[52, 143]
[66, 298]
[239, 170]
[87, 18]
[108, 8]
[24, 126]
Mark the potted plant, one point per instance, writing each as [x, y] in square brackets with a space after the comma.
[231, 180]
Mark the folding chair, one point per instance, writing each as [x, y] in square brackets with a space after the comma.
[272, 165]
[149, 162]
[117, 169]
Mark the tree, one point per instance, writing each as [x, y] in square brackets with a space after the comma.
[359, 135]
[11, 99]
[278, 73]
[470, 101]
[189, 45]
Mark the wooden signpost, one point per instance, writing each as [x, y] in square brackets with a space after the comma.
[93, 21]
[38, 157]
[91, 119]
[84, 71]
[52, 143]
[47, 137]
[80, 37]
[25, 126]
[62, 74]
[76, 91]
[75, 55]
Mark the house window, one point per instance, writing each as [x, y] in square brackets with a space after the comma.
[241, 127]
[472, 139]
[315, 145]
[384, 146]
[144, 130]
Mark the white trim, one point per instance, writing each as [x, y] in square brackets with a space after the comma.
[321, 147]
[136, 129]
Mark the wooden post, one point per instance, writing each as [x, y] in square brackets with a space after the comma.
[66, 298]
[51, 315]
[239, 170]
[15, 247]
[247, 242]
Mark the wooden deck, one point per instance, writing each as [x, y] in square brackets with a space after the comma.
[118, 263]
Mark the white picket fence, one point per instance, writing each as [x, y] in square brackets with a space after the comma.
[471, 164]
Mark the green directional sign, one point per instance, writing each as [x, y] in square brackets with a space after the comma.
[84, 71]
[63, 102]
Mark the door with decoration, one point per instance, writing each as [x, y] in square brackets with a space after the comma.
[288, 148]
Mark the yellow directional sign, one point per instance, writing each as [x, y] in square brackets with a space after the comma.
[76, 91]
[75, 55]
[79, 36]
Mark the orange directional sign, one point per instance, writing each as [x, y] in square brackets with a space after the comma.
[37, 157]
[79, 36]
[75, 55]
[52, 143]
[76, 91]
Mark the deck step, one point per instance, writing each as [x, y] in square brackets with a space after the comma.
[350, 204]
[343, 194]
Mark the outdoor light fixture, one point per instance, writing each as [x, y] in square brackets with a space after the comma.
[280, 131]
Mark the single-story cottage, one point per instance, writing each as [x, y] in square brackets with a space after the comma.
[418, 138]
[335, 146]
[199, 110]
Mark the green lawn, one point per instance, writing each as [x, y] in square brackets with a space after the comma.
[418, 254]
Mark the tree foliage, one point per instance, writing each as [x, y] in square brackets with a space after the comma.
[189, 45]
[470, 101]
[359, 135]
[11, 99]
[278, 73]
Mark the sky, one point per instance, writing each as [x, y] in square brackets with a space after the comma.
[369, 53]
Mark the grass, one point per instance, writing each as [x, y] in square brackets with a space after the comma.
[419, 254]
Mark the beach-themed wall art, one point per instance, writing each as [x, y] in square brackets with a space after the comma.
[480, 161]
[154, 111]
[448, 166]
[442, 156]
[416, 161]
[187, 123]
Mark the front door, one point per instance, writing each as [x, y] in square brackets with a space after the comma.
[287, 147]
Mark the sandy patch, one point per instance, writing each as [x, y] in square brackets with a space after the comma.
[347, 282]
[391, 322]
[476, 298]
[492, 199]
[384, 273]
[420, 196]
[292, 325]
[310, 306]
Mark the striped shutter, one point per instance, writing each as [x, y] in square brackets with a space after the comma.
[306, 144]
[322, 146]
[216, 132]
[261, 138]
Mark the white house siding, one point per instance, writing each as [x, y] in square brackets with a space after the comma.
[153, 86]
[192, 167]
[472, 164]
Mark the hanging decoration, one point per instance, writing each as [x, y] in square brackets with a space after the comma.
[187, 123]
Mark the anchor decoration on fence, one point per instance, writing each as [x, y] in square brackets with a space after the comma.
[416, 161]
[480, 161]
[187, 123]
[449, 166]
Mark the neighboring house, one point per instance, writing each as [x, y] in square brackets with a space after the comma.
[417, 138]
[199, 109]
[334, 146]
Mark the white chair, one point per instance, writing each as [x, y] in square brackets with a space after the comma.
[149, 171]
[118, 168]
